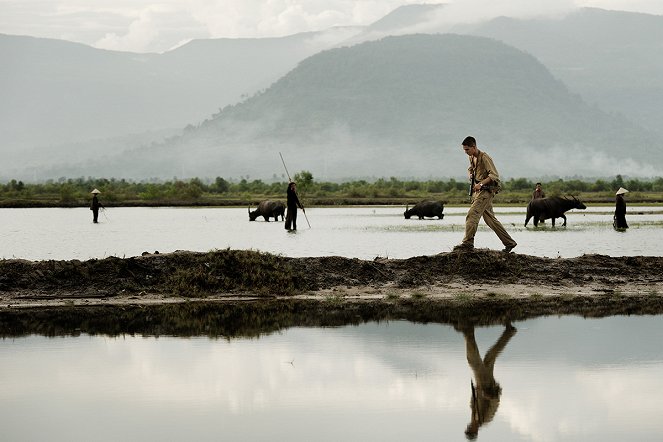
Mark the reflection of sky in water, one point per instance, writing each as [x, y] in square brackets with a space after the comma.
[562, 379]
[362, 232]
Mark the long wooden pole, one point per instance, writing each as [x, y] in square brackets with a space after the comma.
[286, 168]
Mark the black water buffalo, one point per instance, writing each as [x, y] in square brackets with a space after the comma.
[425, 209]
[268, 209]
[553, 207]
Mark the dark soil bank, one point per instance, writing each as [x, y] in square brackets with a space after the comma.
[193, 274]
[232, 292]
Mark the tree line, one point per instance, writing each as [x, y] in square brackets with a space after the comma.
[76, 191]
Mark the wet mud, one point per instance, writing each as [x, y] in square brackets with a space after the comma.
[230, 292]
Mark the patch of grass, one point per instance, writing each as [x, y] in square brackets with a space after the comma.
[391, 296]
[195, 283]
[418, 295]
[495, 295]
[334, 299]
[536, 296]
[613, 294]
[567, 296]
[463, 297]
[233, 270]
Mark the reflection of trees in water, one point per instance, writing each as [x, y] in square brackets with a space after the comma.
[229, 319]
[485, 389]
[213, 319]
[254, 317]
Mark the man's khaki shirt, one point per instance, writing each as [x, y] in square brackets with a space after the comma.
[483, 167]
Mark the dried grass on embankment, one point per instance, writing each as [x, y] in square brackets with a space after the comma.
[232, 292]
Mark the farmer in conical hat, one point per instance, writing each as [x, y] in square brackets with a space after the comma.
[94, 207]
[620, 210]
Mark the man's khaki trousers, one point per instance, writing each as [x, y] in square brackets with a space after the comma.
[482, 205]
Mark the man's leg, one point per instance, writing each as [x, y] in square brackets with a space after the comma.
[288, 219]
[498, 228]
[474, 213]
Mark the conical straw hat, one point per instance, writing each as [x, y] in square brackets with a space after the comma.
[95, 191]
[621, 191]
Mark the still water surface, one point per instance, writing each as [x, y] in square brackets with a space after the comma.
[561, 379]
[357, 232]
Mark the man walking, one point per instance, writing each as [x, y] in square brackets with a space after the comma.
[485, 182]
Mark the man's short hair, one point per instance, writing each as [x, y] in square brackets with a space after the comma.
[538, 184]
[469, 141]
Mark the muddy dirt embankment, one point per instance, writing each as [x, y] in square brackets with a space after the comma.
[236, 273]
[224, 291]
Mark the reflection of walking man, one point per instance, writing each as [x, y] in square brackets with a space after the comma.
[486, 392]
[293, 203]
[485, 184]
[94, 207]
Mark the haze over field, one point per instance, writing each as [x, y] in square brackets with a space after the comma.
[552, 90]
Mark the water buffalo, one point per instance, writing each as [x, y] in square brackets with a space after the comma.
[553, 207]
[268, 209]
[425, 209]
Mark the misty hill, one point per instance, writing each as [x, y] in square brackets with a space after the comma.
[55, 91]
[612, 58]
[400, 106]
[404, 17]
[64, 101]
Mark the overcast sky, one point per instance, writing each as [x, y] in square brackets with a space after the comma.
[156, 26]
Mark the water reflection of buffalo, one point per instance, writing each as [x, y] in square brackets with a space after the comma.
[423, 209]
[268, 209]
[550, 208]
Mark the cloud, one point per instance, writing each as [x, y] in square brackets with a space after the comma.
[647, 6]
[252, 18]
[139, 37]
[458, 12]
[155, 26]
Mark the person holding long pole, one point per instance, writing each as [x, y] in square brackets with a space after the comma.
[293, 203]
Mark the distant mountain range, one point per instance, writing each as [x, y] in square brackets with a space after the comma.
[397, 106]
[612, 59]
[400, 106]
[56, 92]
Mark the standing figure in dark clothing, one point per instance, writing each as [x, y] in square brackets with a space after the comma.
[94, 207]
[620, 210]
[293, 203]
[485, 389]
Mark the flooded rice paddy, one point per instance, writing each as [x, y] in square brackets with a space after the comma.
[550, 378]
[357, 232]
[545, 379]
